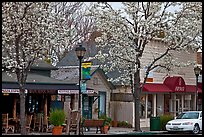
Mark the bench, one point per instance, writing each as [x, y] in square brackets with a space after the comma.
[98, 123]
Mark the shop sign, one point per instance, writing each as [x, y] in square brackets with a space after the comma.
[73, 91]
[12, 91]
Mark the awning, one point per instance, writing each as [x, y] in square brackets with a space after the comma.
[192, 88]
[39, 86]
[175, 83]
[156, 87]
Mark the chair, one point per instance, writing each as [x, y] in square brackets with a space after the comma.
[74, 121]
[28, 122]
[38, 122]
[5, 124]
[45, 124]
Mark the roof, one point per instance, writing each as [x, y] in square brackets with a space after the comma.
[33, 78]
[72, 60]
[75, 78]
[41, 86]
[42, 65]
[91, 50]
[156, 87]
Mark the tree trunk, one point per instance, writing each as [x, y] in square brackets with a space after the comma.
[137, 99]
[22, 111]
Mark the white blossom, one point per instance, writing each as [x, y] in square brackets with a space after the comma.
[127, 31]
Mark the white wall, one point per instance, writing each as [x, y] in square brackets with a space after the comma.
[124, 111]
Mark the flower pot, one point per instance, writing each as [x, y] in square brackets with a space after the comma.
[114, 123]
[57, 130]
[105, 129]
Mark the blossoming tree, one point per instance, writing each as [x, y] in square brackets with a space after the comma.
[127, 31]
[34, 30]
[72, 27]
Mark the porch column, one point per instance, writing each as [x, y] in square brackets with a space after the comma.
[146, 105]
[14, 107]
[45, 108]
[154, 105]
[182, 102]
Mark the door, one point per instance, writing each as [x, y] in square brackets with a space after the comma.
[102, 103]
[174, 106]
[87, 106]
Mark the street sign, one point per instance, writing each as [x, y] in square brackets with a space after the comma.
[83, 87]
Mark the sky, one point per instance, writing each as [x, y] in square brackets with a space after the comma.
[118, 5]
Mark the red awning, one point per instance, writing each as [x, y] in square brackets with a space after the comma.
[200, 85]
[192, 88]
[175, 83]
[156, 87]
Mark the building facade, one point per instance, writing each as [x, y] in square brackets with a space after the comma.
[163, 93]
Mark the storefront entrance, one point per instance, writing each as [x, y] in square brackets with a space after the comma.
[87, 106]
[175, 106]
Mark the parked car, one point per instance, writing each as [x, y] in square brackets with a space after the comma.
[186, 121]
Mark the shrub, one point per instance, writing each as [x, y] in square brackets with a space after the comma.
[164, 119]
[57, 117]
[124, 124]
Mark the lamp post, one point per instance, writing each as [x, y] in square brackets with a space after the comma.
[197, 72]
[80, 51]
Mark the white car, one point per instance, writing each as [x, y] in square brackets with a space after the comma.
[186, 121]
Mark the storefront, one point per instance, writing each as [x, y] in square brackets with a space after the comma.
[170, 97]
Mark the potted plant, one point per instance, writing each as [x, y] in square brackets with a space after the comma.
[106, 127]
[57, 118]
[107, 122]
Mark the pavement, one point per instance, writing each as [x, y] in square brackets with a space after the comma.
[112, 131]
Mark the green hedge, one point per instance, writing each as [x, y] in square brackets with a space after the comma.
[164, 119]
[124, 124]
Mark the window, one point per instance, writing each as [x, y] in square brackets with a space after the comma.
[102, 103]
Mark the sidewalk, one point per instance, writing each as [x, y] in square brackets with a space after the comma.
[112, 131]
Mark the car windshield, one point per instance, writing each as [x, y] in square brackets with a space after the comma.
[188, 115]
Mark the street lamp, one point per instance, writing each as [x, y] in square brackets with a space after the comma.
[197, 72]
[80, 51]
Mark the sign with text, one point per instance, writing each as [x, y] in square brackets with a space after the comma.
[83, 87]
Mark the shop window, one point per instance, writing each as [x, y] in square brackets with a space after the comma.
[142, 107]
[33, 105]
[187, 103]
[149, 106]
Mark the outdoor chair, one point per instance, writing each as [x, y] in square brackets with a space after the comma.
[45, 124]
[74, 122]
[28, 122]
[5, 124]
[38, 122]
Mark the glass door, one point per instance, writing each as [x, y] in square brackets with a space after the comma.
[174, 106]
[87, 106]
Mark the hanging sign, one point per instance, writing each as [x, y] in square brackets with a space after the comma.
[86, 70]
[83, 87]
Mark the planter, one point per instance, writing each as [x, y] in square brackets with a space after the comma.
[105, 129]
[114, 123]
[57, 130]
